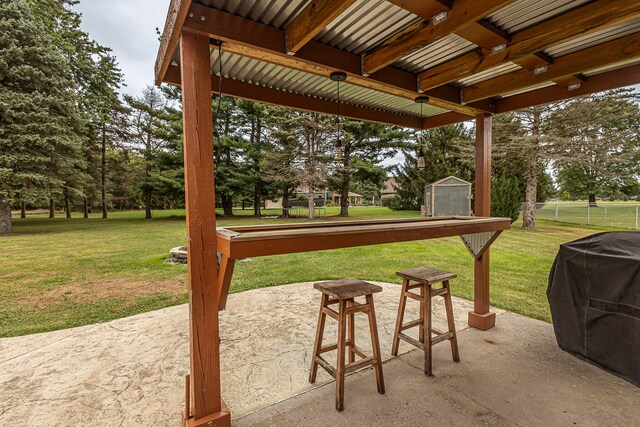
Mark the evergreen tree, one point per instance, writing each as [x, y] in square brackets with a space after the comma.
[39, 144]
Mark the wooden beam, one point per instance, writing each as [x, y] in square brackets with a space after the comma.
[481, 317]
[255, 40]
[424, 8]
[311, 20]
[621, 77]
[444, 119]
[172, 27]
[267, 95]
[484, 34]
[204, 338]
[418, 36]
[618, 50]
[591, 17]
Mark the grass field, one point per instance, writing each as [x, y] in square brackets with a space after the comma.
[61, 273]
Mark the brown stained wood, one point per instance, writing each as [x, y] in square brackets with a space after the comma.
[239, 89]
[451, 323]
[351, 336]
[569, 80]
[618, 50]
[626, 76]
[340, 372]
[201, 228]
[347, 288]
[178, 10]
[225, 273]
[400, 319]
[533, 61]
[451, 118]
[418, 36]
[423, 8]
[375, 344]
[317, 345]
[428, 344]
[484, 34]
[589, 18]
[311, 20]
[255, 40]
[426, 275]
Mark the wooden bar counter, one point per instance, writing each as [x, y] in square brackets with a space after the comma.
[274, 239]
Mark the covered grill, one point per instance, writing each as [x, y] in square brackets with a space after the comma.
[594, 294]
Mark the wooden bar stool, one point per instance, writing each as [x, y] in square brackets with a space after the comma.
[342, 292]
[424, 278]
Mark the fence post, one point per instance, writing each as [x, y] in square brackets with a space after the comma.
[588, 214]
[557, 211]
[636, 217]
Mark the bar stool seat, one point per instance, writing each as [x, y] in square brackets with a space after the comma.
[424, 278]
[343, 293]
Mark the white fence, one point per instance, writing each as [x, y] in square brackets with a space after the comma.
[606, 214]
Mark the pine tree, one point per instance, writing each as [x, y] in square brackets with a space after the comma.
[39, 142]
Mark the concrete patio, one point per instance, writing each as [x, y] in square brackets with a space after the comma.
[130, 371]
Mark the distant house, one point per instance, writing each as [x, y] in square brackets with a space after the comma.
[389, 188]
[355, 199]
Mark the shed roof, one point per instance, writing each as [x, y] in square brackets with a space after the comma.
[484, 57]
[450, 180]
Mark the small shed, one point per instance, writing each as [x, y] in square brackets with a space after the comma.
[450, 196]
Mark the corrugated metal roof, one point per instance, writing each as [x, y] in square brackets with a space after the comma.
[275, 13]
[593, 39]
[526, 13]
[599, 70]
[436, 53]
[277, 77]
[496, 71]
[366, 24]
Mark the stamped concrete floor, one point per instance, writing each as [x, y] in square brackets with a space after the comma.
[130, 371]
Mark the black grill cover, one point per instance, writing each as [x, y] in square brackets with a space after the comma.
[594, 295]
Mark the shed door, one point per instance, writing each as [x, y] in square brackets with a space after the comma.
[451, 200]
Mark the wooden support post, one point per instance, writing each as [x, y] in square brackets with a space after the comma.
[481, 318]
[207, 407]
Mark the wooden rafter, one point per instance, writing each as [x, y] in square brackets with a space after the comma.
[586, 19]
[255, 40]
[615, 51]
[172, 27]
[311, 20]
[418, 36]
[267, 95]
[620, 77]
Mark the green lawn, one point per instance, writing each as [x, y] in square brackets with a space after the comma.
[607, 214]
[61, 273]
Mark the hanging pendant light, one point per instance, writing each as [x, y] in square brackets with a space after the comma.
[421, 163]
[338, 77]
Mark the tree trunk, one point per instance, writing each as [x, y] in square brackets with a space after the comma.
[285, 201]
[147, 204]
[256, 199]
[311, 203]
[227, 204]
[52, 208]
[23, 210]
[532, 173]
[5, 217]
[86, 208]
[103, 172]
[592, 201]
[344, 191]
[66, 203]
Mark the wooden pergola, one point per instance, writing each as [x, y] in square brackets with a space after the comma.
[470, 58]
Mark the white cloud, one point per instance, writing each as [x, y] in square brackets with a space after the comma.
[128, 27]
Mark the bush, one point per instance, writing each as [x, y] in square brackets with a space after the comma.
[393, 202]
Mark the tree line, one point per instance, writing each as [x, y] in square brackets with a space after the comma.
[69, 140]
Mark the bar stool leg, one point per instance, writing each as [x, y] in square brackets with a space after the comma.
[421, 327]
[451, 321]
[351, 337]
[375, 344]
[317, 345]
[400, 318]
[342, 332]
[427, 331]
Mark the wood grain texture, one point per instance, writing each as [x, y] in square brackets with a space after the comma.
[612, 52]
[255, 40]
[593, 16]
[418, 36]
[176, 15]
[201, 227]
[311, 20]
